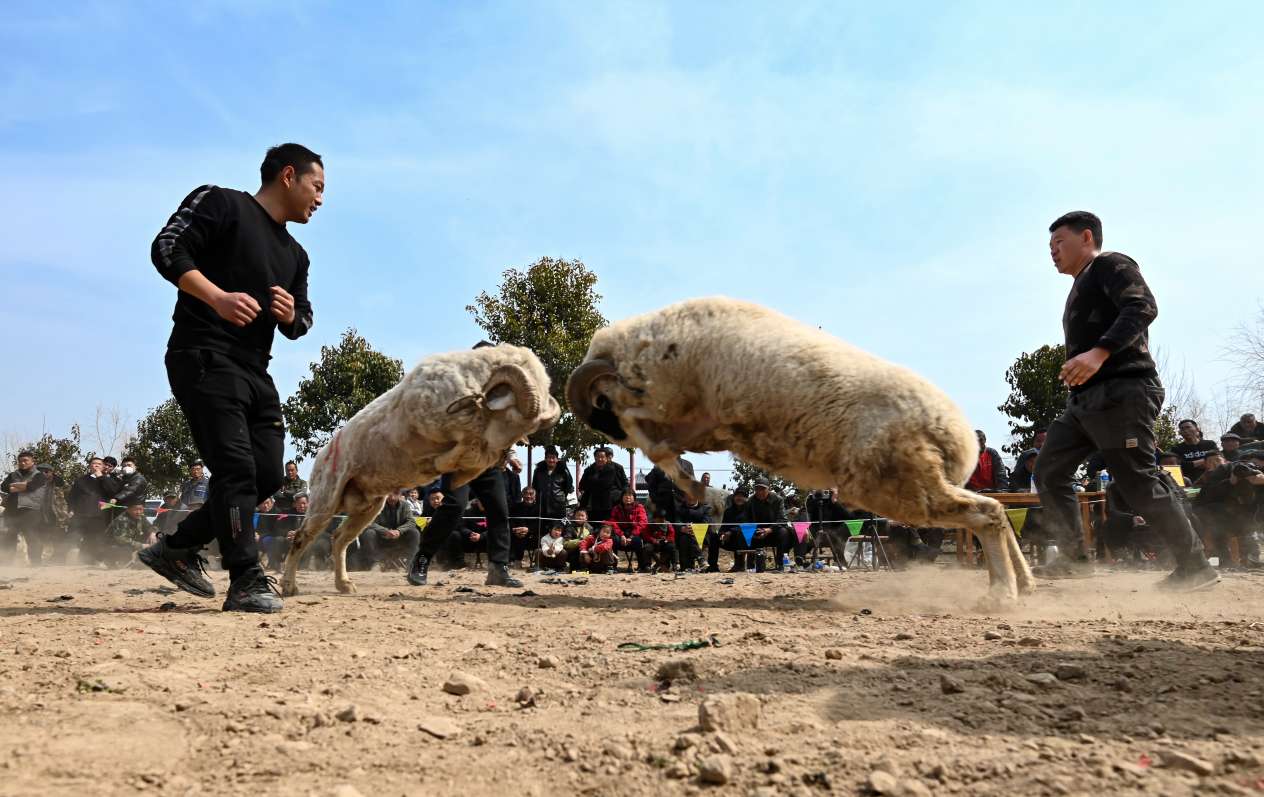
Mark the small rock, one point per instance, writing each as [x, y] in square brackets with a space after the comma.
[679, 771]
[25, 647]
[723, 743]
[1067, 671]
[1075, 714]
[715, 769]
[992, 635]
[526, 697]
[668, 697]
[1187, 763]
[1042, 678]
[685, 741]
[460, 683]
[349, 714]
[913, 788]
[950, 685]
[1030, 642]
[902, 636]
[122, 653]
[439, 727]
[570, 755]
[1123, 684]
[677, 670]
[732, 712]
[547, 663]
[880, 782]
[833, 654]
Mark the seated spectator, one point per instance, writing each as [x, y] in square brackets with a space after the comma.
[414, 501]
[265, 518]
[1192, 449]
[470, 536]
[1125, 533]
[729, 535]
[127, 534]
[1213, 460]
[1230, 445]
[1228, 505]
[767, 511]
[553, 557]
[577, 531]
[596, 553]
[194, 490]
[687, 549]
[658, 544]
[170, 514]
[629, 521]
[990, 475]
[524, 525]
[1247, 429]
[434, 500]
[392, 536]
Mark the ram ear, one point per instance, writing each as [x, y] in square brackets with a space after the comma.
[464, 403]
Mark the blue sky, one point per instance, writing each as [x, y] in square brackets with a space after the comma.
[887, 174]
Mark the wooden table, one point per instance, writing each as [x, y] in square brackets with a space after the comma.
[1090, 502]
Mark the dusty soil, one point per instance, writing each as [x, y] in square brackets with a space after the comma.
[864, 680]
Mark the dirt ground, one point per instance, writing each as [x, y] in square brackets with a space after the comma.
[864, 683]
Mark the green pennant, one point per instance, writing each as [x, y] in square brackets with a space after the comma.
[854, 526]
[1017, 519]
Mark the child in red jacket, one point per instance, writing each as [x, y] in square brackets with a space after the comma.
[596, 553]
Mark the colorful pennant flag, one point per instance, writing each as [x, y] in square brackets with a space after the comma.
[282, 516]
[255, 520]
[748, 531]
[854, 526]
[1017, 519]
[422, 522]
[801, 529]
[700, 531]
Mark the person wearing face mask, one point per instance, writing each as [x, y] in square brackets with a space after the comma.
[124, 485]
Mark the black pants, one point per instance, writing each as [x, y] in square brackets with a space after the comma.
[374, 548]
[489, 488]
[1224, 522]
[89, 531]
[1115, 417]
[687, 547]
[235, 417]
[30, 524]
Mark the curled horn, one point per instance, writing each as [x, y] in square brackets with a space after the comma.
[527, 396]
[579, 385]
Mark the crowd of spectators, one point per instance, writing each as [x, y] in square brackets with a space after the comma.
[609, 527]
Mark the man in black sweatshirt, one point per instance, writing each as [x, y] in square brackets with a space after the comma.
[241, 277]
[1115, 397]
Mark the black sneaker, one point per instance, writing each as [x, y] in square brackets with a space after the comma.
[183, 567]
[420, 571]
[498, 576]
[253, 591]
[1181, 580]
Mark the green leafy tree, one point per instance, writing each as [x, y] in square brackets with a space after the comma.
[163, 447]
[64, 454]
[1037, 397]
[346, 378]
[550, 308]
[745, 475]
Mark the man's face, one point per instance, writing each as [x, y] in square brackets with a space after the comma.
[1230, 444]
[1248, 420]
[304, 193]
[1070, 250]
[739, 499]
[1040, 439]
[26, 463]
[137, 510]
[435, 499]
[982, 439]
[528, 496]
[1189, 432]
[413, 494]
[196, 471]
[300, 503]
[392, 499]
[291, 470]
[266, 504]
[96, 467]
[706, 479]
[761, 492]
[602, 458]
[171, 500]
[550, 460]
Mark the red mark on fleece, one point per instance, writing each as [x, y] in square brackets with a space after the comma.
[333, 453]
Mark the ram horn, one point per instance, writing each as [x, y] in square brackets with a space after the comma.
[580, 383]
[524, 390]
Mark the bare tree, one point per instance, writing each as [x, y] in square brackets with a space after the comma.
[1245, 351]
[1183, 399]
[110, 430]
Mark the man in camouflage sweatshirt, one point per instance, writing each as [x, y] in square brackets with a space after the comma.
[127, 533]
[1115, 398]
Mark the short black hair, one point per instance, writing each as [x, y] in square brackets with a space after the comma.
[1184, 421]
[111, 461]
[27, 453]
[282, 155]
[1079, 221]
[128, 459]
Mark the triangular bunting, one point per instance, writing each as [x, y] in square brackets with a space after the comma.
[700, 531]
[282, 516]
[422, 522]
[801, 529]
[1017, 519]
[854, 526]
[255, 520]
[748, 531]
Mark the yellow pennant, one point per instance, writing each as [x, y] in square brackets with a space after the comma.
[422, 522]
[700, 531]
[1017, 519]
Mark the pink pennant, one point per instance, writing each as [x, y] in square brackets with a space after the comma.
[801, 529]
